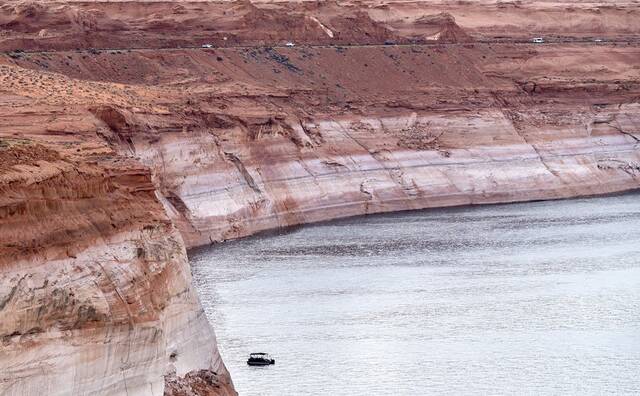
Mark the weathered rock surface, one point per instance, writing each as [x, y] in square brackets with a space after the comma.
[113, 160]
[95, 287]
[71, 24]
[291, 148]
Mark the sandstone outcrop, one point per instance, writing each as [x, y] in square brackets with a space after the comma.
[70, 25]
[95, 287]
[117, 155]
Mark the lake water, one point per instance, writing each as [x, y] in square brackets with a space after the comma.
[535, 298]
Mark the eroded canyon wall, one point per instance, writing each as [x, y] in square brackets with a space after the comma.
[113, 159]
[95, 287]
[358, 169]
[324, 133]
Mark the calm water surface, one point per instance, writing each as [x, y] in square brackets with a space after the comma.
[536, 298]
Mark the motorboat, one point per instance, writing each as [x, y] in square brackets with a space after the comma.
[260, 359]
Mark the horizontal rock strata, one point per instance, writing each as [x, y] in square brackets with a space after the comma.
[95, 287]
[123, 142]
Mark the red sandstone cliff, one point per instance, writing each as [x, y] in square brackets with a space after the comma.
[112, 160]
[95, 288]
